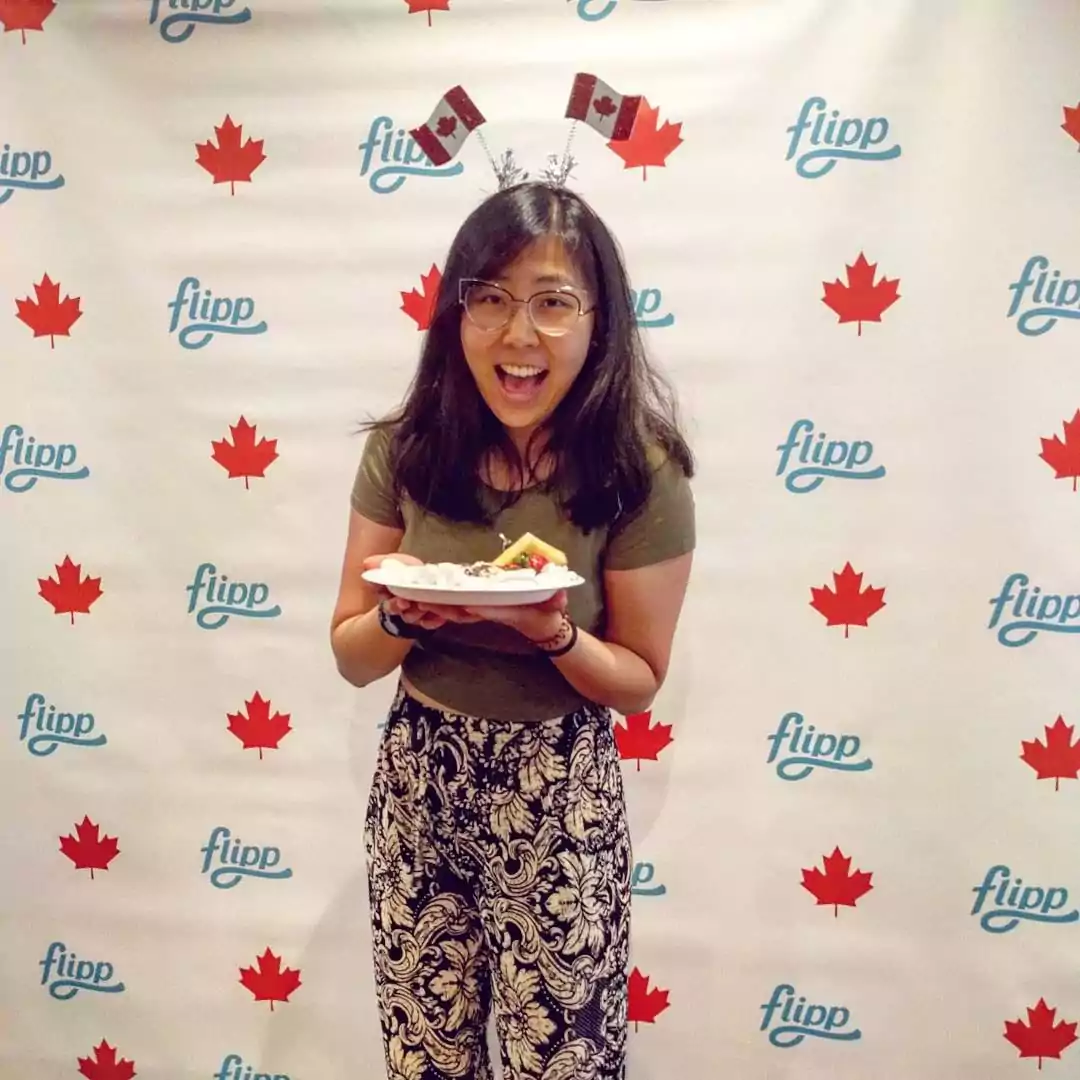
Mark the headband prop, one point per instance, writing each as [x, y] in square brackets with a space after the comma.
[592, 101]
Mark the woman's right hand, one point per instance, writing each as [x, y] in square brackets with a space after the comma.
[429, 616]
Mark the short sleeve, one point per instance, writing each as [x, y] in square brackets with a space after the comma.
[663, 528]
[373, 493]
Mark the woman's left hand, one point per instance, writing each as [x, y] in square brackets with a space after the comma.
[537, 622]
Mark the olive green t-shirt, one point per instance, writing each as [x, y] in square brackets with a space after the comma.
[489, 670]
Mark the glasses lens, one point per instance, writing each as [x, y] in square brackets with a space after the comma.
[553, 312]
[487, 306]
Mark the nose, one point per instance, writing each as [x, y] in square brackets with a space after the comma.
[520, 330]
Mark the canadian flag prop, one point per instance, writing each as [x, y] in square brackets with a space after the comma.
[610, 113]
[448, 127]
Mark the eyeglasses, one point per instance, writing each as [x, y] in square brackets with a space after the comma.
[553, 312]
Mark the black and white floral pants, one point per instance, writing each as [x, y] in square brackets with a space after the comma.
[499, 867]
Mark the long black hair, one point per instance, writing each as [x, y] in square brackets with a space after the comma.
[599, 433]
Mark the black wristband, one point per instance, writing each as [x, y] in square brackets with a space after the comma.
[564, 649]
[397, 627]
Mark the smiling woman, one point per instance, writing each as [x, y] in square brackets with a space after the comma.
[496, 815]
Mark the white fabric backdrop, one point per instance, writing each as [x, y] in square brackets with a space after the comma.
[951, 396]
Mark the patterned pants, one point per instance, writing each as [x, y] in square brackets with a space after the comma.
[499, 871]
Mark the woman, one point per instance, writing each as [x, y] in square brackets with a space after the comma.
[498, 850]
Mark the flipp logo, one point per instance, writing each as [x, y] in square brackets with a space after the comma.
[401, 158]
[835, 139]
[1016, 901]
[35, 461]
[237, 860]
[641, 881]
[805, 749]
[595, 10]
[66, 975]
[800, 1019]
[180, 26]
[827, 458]
[233, 1068]
[52, 729]
[26, 170]
[1052, 296]
[1032, 613]
[646, 304]
[227, 598]
[210, 315]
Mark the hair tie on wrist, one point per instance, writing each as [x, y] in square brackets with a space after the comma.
[564, 649]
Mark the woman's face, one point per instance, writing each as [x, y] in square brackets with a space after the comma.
[521, 373]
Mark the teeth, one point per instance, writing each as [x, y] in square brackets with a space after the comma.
[520, 371]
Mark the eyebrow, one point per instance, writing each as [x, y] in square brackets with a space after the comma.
[549, 279]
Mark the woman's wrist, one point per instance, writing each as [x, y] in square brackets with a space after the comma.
[560, 640]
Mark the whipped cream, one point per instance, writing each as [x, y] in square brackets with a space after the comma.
[479, 577]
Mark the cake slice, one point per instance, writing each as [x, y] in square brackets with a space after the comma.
[529, 552]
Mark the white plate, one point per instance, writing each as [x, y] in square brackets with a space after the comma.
[508, 595]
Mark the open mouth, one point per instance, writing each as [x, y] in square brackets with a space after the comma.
[520, 379]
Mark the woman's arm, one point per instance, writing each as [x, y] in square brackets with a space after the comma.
[626, 669]
[363, 650]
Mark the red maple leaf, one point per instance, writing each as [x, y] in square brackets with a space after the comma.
[1040, 1037]
[1064, 456]
[1072, 122]
[604, 105]
[420, 306]
[244, 456]
[836, 886]
[270, 982]
[848, 606]
[48, 315]
[229, 161]
[89, 850]
[104, 1065]
[648, 144]
[860, 300]
[258, 729]
[638, 740]
[644, 1005]
[1058, 759]
[25, 15]
[416, 6]
[67, 594]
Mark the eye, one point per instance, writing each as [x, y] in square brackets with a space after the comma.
[558, 302]
[487, 296]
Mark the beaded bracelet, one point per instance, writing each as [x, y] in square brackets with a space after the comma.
[564, 649]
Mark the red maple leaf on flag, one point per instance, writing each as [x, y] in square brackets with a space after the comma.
[244, 456]
[1072, 122]
[105, 1066]
[648, 144]
[25, 15]
[1064, 455]
[88, 849]
[644, 1005]
[860, 300]
[836, 885]
[230, 161]
[67, 593]
[270, 982]
[637, 739]
[1040, 1037]
[416, 6]
[1058, 759]
[848, 606]
[420, 306]
[48, 315]
[258, 730]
